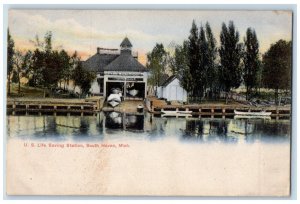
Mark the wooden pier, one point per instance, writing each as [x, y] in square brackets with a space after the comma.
[92, 106]
[81, 107]
[217, 111]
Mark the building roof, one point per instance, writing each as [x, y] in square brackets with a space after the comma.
[162, 79]
[168, 80]
[125, 62]
[114, 61]
[126, 43]
[98, 61]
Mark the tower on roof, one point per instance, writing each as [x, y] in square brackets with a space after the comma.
[126, 46]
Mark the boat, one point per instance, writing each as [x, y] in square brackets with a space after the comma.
[176, 113]
[133, 92]
[249, 113]
[114, 99]
[252, 116]
[113, 103]
[116, 90]
[184, 112]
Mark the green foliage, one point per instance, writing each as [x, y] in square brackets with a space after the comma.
[230, 57]
[35, 71]
[20, 65]
[193, 53]
[201, 72]
[10, 53]
[43, 71]
[26, 63]
[195, 62]
[15, 77]
[10, 58]
[212, 72]
[277, 64]
[48, 66]
[48, 41]
[52, 69]
[180, 67]
[83, 78]
[157, 62]
[251, 62]
[65, 66]
[202, 54]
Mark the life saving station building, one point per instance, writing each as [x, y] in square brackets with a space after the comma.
[118, 68]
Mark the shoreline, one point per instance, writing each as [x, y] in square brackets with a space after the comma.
[92, 105]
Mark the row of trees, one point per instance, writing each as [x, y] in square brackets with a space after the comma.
[277, 64]
[46, 67]
[204, 69]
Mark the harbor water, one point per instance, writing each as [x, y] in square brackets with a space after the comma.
[121, 126]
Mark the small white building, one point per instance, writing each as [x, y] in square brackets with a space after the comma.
[171, 90]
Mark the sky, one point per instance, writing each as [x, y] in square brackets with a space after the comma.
[85, 30]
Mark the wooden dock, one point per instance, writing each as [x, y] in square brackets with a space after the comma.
[91, 106]
[52, 106]
[216, 110]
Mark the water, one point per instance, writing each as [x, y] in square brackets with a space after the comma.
[115, 126]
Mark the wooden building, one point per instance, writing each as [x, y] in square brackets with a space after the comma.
[169, 88]
[118, 69]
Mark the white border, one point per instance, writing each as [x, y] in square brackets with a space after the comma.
[179, 4]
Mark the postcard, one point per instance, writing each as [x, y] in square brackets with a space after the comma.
[148, 102]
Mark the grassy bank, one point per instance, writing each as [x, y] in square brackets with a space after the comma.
[26, 91]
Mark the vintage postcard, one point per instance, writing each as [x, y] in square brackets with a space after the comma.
[148, 102]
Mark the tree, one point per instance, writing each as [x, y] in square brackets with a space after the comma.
[230, 57]
[202, 70]
[193, 53]
[171, 57]
[75, 60]
[83, 78]
[52, 64]
[157, 62]
[180, 66]
[277, 63]
[47, 64]
[51, 72]
[34, 73]
[194, 62]
[66, 67]
[21, 64]
[48, 41]
[14, 77]
[10, 59]
[251, 61]
[211, 75]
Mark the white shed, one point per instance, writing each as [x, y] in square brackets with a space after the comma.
[171, 90]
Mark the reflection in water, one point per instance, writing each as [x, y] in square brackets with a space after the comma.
[206, 130]
[114, 120]
[115, 125]
[126, 121]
